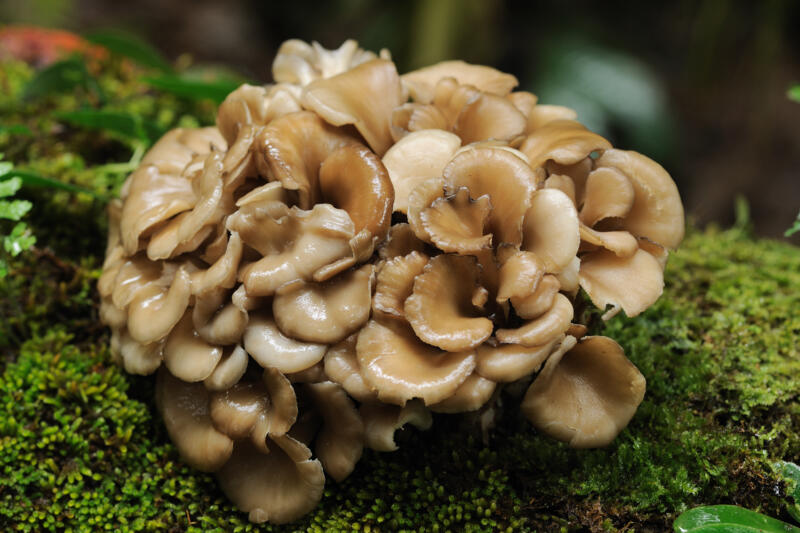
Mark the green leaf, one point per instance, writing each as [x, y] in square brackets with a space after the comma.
[794, 93]
[122, 123]
[790, 472]
[16, 129]
[194, 89]
[60, 77]
[14, 209]
[9, 187]
[794, 228]
[19, 240]
[35, 180]
[729, 519]
[132, 47]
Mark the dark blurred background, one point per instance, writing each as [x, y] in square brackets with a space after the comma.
[700, 86]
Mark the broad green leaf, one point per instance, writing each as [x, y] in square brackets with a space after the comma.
[132, 47]
[790, 472]
[14, 209]
[794, 93]
[729, 519]
[122, 123]
[9, 187]
[3, 268]
[19, 240]
[35, 180]
[215, 90]
[60, 77]
[16, 129]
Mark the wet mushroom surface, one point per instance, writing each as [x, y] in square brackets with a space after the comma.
[353, 249]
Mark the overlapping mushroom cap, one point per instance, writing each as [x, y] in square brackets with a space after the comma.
[351, 249]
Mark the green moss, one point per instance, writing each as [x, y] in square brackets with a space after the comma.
[82, 447]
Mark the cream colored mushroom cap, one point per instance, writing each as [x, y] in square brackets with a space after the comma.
[551, 229]
[509, 362]
[381, 421]
[341, 366]
[340, 442]
[401, 367]
[586, 396]
[470, 396]
[264, 341]
[421, 83]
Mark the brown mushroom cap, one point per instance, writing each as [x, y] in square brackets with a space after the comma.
[279, 486]
[418, 157]
[137, 358]
[381, 421]
[509, 362]
[563, 141]
[633, 283]
[401, 241]
[657, 211]
[341, 441]
[440, 308]
[187, 355]
[540, 300]
[154, 311]
[236, 411]
[543, 329]
[470, 396]
[587, 395]
[395, 283]
[341, 366]
[299, 63]
[283, 402]
[363, 96]
[608, 193]
[400, 367]
[325, 312]
[543, 114]
[505, 178]
[264, 341]
[223, 272]
[184, 408]
[421, 83]
[455, 223]
[551, 229]
[489, 117]
[229, 370]
[216, 320]
[520, 274]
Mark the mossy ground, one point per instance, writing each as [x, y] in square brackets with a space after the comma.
[82, 447]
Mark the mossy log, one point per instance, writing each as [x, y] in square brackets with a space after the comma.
[82, 446]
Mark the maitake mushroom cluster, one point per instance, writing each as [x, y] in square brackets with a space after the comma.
[351, 249]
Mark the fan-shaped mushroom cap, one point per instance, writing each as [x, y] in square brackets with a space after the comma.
[633, 283]
[489, 117]
[341, 366]
[520, 274]
[184, 408]
[421, 83]
[470, 396]
[622, 243]
[524, 101]
[223, 272]
[505, 178]
[292, 148]
[236, 410]
[187, 356]
[325, 312]
[423, 195]
[509, 362]
[312, 374]
[271, 348]
[563, 184]
[540, 300]
[363, 96]
[417, 157]
[543, 114]
[587, 395]
[564, 141]
[543, 329]
[412, 117]
[155, 310]
[137, 358]
[608, 194]
[568, 278]
[299, 63]
[551, 229]
[216, 320]
[341, 440]
[276, 487]
[401, 241]
[381, 421]
[283, 402]
[455, 223]
[296, 244]
[255, 105]
[395, 283]
[440, 307]
[657, 211]
[354, 179]
[229, 370]
[400, 367]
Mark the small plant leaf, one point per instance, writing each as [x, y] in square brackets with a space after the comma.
[14, 209]
[794, 93]
[35, 180]
[132, 47]
[60, 77]
[215, 90]
[18, 240]
[729, 519]
[16, 129]
[119, 122]
[790, 472]
[9, 187]
[794, 227]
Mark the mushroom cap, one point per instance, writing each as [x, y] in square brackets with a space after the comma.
[543, 114]
[470, 396]
[489, 117]
[551, 229]
[276, 487]
[657, 211]
[401, 241]
[417, 157]
[363, 96]
[608, 193]
[155, 311]
[633, 283]
[184, 408]
[381, 421]
[299, 63]
[340, 442]
[264, 341]
[229, 370]
[587, 395]
[187, 355]
[520, 274]
[412, 117]
[505, 178]
[622, 243]
[509, 362]
[421, 83]
[540, 300]
[223, 272]
[325, 312]
[563, 141]
[400, 367]
[455, 223]
[341, 366]
[248, 104]
[137, 358]
[236, 411]
[542, 329]
[395, 283]
[440, 307]
[283, 410]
